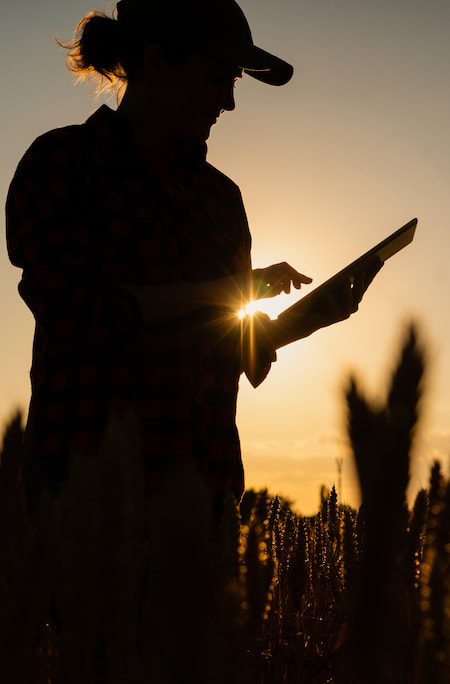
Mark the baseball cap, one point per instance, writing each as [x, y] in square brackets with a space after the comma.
[216, 27]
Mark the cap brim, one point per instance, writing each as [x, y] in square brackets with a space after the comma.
[267, 68]
[254, 61]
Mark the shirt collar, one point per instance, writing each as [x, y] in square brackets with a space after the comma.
[108, 127]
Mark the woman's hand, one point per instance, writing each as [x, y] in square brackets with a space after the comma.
[272, 280]
[339, 302]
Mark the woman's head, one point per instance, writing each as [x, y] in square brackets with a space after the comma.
[180, 104]
[113, 48]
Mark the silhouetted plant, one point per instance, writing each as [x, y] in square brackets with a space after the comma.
[381, 439]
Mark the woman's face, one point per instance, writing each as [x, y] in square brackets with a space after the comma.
[194, 95]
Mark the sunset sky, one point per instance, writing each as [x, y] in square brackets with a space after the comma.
[353, 147]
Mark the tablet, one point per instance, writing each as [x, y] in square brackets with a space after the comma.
[382, 251]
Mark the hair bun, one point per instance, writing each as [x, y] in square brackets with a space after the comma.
[96, 48]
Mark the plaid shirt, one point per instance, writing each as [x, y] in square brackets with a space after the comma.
[85, 212]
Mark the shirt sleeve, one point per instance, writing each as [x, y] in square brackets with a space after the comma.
[71, 293]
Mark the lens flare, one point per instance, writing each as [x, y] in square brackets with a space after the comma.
[248, 310]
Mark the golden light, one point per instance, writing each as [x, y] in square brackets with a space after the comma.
[248, 310]
[272, 307]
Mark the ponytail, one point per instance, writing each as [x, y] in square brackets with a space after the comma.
[96, 50]
[111, 49]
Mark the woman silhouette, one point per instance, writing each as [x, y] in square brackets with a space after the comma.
[136, 251]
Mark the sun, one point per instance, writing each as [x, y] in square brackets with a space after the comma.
[250, 309]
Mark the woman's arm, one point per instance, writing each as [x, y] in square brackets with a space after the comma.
[159, 303]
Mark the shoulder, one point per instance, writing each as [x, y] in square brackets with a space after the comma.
[58, 148]
[221, 178]
[64, 145]
[228, 201]
[52, 166]
[223, 185]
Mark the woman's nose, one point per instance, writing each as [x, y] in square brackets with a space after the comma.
[228, 102]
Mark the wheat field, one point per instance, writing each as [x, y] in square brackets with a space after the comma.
[115, 586]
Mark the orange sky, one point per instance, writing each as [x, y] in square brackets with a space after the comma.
[356, 145]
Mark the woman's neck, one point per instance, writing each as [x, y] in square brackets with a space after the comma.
[147, 122]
